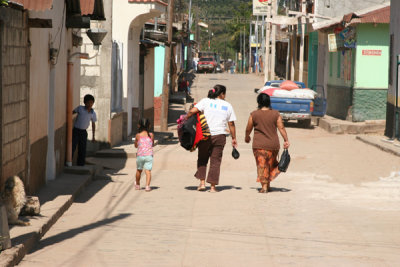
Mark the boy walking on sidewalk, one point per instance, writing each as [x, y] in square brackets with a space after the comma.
[79, 133]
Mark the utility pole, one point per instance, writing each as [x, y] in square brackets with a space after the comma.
[251, 25]
[257, 41]
[267, 39]
[167, 64]
[273, 41]
[263, 42]
[240, 53]
[244, 49]
[189, 64]
[302, 19]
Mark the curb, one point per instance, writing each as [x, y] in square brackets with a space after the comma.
[384, 146]
[26, 241]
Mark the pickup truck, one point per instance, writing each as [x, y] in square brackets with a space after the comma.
[206, 64]
[299, 109]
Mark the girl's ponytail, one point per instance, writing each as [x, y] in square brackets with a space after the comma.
[216, 91]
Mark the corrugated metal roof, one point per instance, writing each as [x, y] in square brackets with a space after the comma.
[149, 1]
[381, 15]
[367, 14]
[38, 5]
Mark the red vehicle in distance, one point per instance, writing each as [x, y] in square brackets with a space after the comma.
[206, 64]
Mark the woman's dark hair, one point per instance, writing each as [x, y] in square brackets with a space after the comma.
[87, 98]
[144, 125]
[216, 91]
[263, 100]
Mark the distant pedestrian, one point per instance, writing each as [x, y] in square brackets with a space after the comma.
[184, 86]
[218, 114]
[195, 63]
[265, 122]
[144, 141]
[86, 114]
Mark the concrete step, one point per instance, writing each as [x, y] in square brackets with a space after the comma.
[337, 126]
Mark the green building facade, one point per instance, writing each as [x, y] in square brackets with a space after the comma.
[358, 77]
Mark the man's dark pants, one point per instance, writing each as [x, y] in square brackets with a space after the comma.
[79, 138]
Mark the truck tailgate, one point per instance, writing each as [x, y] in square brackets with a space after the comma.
[291, 104]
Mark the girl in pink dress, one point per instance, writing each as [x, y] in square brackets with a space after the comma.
[144, 141]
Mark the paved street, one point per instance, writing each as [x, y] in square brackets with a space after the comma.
[338, 205]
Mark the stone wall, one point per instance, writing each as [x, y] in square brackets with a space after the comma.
[14, 97]
[369, 104]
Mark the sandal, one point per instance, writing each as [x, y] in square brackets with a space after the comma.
[201, 188]
[148, 188]
[137, 186]
[263, 191]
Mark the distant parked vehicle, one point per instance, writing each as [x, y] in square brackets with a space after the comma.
[206, 64]
[299, 107]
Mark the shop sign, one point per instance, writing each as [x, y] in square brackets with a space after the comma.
[260, 7]
[369, 52]
[332, 42]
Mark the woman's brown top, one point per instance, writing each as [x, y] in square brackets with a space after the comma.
[265, 129]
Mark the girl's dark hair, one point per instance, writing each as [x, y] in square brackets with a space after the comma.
[263, 100]
[216, 91]
[144, 125]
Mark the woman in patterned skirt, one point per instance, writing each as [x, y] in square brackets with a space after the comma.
[265, 122]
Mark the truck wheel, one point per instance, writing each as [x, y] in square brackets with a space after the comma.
[304, 123]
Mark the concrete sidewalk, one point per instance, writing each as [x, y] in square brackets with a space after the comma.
[381, 142]
[55, 198]
[58, 195]
[369, 132]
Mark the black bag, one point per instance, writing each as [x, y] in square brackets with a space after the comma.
[188, 133]
[284, 161]
[235, 153]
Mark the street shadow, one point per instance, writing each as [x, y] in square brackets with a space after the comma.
[173, 141]
[290, 124]
[273, 189]
[279, 189]
[95, 187]
[228, 187]
[76, 231]
[142, 188]
[219, 188]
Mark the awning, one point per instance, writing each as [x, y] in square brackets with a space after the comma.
[37, 5]
[82, 7]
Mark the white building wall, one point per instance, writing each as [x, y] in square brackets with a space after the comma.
[128, 20]
[48, 83]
